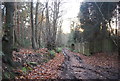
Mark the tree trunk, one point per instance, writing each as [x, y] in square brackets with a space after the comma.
[55, 18]
[48, 34]
[36, 22]
[104, 34]
[34, 45]
[16, 27]
[7, 40]
[40, 29]
[22, 31]
[0, 41]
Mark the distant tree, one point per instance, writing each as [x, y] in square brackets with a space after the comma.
[59, 34]
[56, 10]
[52, 19]
[21, 18]
[41, 32]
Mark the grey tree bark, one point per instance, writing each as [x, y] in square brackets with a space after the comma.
[55, 22]
[48, 34]
[34, 45]
[36, 23]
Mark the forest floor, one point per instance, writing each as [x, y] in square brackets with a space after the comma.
[37, 64]
[67, 65]
[98, 66]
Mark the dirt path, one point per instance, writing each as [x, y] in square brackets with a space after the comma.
[74, 68]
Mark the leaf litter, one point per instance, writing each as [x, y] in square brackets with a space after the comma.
[42, 70]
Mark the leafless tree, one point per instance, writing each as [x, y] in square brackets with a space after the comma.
[34, 45]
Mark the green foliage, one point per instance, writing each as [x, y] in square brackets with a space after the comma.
[45, 60]
[8, 73]
[24, 69]
[58, 50]
[76, 51]
[33, 63]
[29, 68]
[1, 53]
[69, 49]
[52, 53]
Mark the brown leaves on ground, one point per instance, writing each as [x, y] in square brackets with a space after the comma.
[101, 59]
[47, 70]
[31, 51]
[30, 55]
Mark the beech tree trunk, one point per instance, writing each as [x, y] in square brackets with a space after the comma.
[36, 22]
[55, 19]
[34, 45]
[48, 34]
